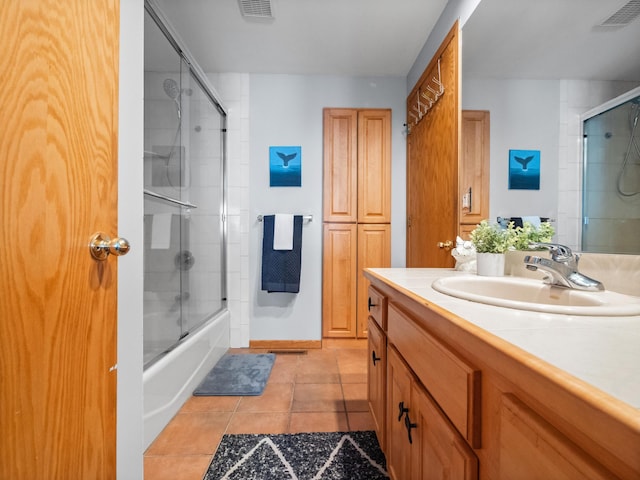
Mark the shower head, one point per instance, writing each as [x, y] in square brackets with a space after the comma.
[171, 88]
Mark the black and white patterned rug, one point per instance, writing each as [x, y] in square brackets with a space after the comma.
[301, 456]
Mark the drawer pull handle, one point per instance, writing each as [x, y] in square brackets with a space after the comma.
[374, 358]
[402, 410]
[409, 425]
[371, 304]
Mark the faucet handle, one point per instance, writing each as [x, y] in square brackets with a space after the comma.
[559, 253]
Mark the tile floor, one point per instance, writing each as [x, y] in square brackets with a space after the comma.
[323, 390]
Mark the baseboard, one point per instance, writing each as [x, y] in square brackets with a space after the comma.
[286, 344]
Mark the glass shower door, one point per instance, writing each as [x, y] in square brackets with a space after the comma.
[184, 274]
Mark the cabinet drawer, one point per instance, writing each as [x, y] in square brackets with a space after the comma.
[453, 383]
[377, 305]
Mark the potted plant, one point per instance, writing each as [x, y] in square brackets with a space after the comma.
[491, 242]
[528, 234]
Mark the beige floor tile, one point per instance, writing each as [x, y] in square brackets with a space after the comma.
[353, 378]
[248, 422]
[210, 404]
[284, 369]
[191, 434]
[315, 397]
[276, 397]
[360, 421]
[355, 397]
[318, 422]
[188, 467]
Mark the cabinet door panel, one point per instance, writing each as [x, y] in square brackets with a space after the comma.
[339, 280]
[474, 167]
[377, 379]
[374, 166]
[398, 452]
[531, 448]
[439, 451]
[340, 165]
[374, 250]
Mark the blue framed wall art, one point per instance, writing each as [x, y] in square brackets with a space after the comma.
[524, 169]
[285, 166]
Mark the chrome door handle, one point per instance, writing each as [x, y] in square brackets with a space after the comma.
[101, 246]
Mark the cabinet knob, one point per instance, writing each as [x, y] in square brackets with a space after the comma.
[371, 304]
[402, 410]
[374, 358]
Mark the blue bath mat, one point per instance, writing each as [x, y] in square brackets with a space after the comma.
[242, 374]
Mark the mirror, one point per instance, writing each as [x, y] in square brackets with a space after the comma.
[538, 66]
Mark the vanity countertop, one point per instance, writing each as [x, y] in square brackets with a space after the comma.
[601, 351]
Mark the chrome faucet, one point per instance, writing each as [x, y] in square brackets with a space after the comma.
[561, 268]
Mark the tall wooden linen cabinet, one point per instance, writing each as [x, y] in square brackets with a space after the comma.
[357, 214]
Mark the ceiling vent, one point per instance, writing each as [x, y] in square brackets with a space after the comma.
[627, 14]
[256, 9]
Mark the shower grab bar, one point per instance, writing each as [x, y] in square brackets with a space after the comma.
[306, 218]
[169, 199]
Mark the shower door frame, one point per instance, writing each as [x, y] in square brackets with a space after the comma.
[608, 105]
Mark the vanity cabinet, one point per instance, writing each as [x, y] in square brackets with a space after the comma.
[463, 404]
[423, 443]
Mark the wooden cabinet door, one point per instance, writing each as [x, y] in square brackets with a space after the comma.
[340, 135]
[374, 250]
[339, 274]
[377, 379]
[398, 451]
[474, 167]
[374, 166]
[531, 448]
[438, 451]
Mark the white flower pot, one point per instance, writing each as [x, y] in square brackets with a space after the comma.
[490, 264]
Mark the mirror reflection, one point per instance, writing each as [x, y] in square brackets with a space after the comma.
[537, 67]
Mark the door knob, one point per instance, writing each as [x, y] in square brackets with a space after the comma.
[101, 246]
[446, 245]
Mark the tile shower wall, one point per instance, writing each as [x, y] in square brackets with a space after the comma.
[233, 89]
[576, 97]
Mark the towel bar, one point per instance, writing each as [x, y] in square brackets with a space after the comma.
[306, 218]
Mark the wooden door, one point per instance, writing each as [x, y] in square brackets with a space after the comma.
[374, 251]
[374, 166]
[432, 165]
[339, 274]
[340, 196]
[59, 170]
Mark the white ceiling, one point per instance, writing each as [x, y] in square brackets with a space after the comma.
[503, 38]
[332, 37]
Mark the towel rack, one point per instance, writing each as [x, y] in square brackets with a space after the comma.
[306, 218]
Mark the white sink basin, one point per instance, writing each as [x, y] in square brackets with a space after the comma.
[529, 294]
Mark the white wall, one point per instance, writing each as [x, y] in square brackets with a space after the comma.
[454, 10]
[130, 268]
[287, 110]
[524, 116]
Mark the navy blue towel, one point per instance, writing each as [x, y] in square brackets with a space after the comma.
[281, 268]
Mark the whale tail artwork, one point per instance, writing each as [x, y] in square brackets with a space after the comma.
[523, 161]
[287, 158]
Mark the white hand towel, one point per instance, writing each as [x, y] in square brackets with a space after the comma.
[534, 221]
[283, 232]
[161, 230]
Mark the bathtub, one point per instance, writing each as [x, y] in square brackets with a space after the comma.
[169, 382]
